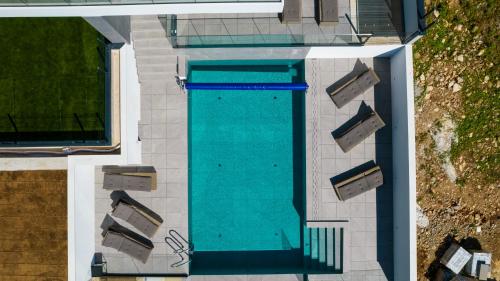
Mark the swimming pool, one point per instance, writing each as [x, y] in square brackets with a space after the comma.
[246, 168]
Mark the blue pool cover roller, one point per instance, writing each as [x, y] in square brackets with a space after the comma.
[247, 86]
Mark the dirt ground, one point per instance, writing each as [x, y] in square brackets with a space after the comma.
[457, 79]
[33, 227]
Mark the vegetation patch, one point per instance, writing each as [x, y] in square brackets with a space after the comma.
[51, 75]
[457, 72]
[457, 65]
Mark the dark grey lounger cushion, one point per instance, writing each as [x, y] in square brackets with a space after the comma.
[125, 244]
[359, 132]
[360, 183]
[292, 11]
[127, 182]
[122, 196]
[354, 88]
[144, 171]
[113, 169]
[136, 218]
[328, 12]
[125, 240]
[140, 217]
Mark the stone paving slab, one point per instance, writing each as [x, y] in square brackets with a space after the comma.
[166, 206]
[163, 134]
[269, 23]
[369, 226]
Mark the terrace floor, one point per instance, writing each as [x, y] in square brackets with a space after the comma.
[162, 202]
[163, 133]
[33, 218]
[261, 29]
[365, 18]
[369, 215]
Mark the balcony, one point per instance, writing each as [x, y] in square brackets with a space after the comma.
[360, 22]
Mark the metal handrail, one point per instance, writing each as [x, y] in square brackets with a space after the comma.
[176, 246]
[175, 235]
[175, 241]
[356, 32]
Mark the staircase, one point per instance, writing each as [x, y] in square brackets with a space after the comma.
[156, 59]
[323, 250]
[379, 17]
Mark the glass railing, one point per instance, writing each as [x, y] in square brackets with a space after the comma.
[260, 31]
[112, 2]
[254, 40]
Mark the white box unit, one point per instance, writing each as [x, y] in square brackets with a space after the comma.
[478, 258]
[455, 258]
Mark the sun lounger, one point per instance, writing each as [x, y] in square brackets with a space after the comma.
[114, 169]
[360, 183]
[292, 11]
[136, 214]
[126, 241]
[354, 87]
[360, 131]
[127, 182]
[139, 171]
[328, 12]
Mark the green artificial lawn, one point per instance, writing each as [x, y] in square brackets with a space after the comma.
[48, 73]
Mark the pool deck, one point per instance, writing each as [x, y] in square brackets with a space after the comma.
[369, 215]
[367, 218]
[270, 24]
[163, 134]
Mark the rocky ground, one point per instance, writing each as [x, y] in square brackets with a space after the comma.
[457, 130]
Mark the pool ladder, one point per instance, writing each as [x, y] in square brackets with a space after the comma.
[181, 247]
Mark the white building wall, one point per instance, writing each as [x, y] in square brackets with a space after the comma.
[404, 175]
[33, 163]
[115, 28]
[145, 9]
[81, 169]
[369, 51]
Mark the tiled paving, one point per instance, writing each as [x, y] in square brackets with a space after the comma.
[163, 131]
[163, 134]
[247, 24]
[234, 25]
[160, 201]
[369, 215]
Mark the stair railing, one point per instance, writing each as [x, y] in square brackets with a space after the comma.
[180, 246]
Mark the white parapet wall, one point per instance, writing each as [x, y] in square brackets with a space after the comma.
[33, 163]
[404, 174]
[115, 28]
[367, 51]
[81, 169]
[141, 9]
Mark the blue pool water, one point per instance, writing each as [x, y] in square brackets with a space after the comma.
[245, 167]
